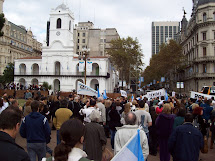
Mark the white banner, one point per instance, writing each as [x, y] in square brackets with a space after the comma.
[158, 93]
[197, 94]
[89, 66]
[81, 66]
[85, 90]
[123, 93]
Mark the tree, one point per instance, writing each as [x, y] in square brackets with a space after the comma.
[8, 74]
[126, 55]
[2, 21]
[46, 85]
[166, 60]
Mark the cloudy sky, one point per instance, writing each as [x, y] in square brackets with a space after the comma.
[130, 17]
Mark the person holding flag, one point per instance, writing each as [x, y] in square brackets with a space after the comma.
[130, 142]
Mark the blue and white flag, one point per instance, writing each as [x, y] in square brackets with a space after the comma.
[166, 96]
[105, 95]
[98, 93]
[132, 98]
[132, 150]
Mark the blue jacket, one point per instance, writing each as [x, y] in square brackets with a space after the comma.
[207, 109]
[35, 128]
[185, 143]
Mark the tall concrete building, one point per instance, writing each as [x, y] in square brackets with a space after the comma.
[85, 35]
[162, 32]
[197, 39]
[17, 42]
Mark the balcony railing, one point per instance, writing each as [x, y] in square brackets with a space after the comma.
[62, 74]
[205, 59]
[200, 76]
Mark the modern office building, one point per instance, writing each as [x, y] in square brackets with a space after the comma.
[162, 32]
[17, 42]
[198, 43]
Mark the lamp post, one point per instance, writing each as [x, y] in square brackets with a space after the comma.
[85, 55]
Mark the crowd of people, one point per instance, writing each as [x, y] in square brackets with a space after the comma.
[19, 86]
[174, 127]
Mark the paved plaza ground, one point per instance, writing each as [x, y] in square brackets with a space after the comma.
[210, 156]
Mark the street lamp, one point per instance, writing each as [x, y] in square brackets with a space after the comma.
[85, 55]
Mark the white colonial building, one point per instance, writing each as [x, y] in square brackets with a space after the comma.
[59, 65]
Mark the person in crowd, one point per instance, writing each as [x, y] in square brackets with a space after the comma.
[2, 108]
[155, 101]
[61, 115]
[164, 126]
[134, 106]
[14, 104]
[212, 129]
[86, 112]
[28, 94]
[101, 108]
[55, 104]
[10, 99]
[77, 108]
[153, 138]
[72, 137]
[94, 137]
[107, 104]
[114, 122]
[119, 106]
[199, 122]
[179, 119]
[186, 141]
[71, 104]
[143, 118]
[45, 111]
[10, 120]
[35, 128]
[127, 131]
[207, 109]
[27, 109]
[183, 104]
[162, 101]
[127, 109]
[5, 102]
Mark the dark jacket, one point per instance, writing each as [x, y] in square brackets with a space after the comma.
[185, 143]
[35, 128]
[206, 111]
[114, 119]
[164, 125]
[9, 150]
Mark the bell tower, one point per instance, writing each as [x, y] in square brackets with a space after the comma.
[1, 6]
[61, 26]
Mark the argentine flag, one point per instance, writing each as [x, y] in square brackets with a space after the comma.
[132, 151]
[105, 95]
[166, 96]
[98, 93]
[132, 98]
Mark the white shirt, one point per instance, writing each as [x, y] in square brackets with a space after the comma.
[87, 113]
[75, 155]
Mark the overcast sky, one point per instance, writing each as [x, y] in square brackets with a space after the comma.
[130, 17]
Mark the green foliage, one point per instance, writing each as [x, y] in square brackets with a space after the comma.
[126, 55]
[167, 59]
[8, 74]
[2, 21]
[47, 86]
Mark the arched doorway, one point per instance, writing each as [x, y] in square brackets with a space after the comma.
[34, 81]
[95, 69]
[35, 69]
[56, 85]
[57, 68]
[94, 84]
[22, 69]
[80, 80]
[22, 81]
